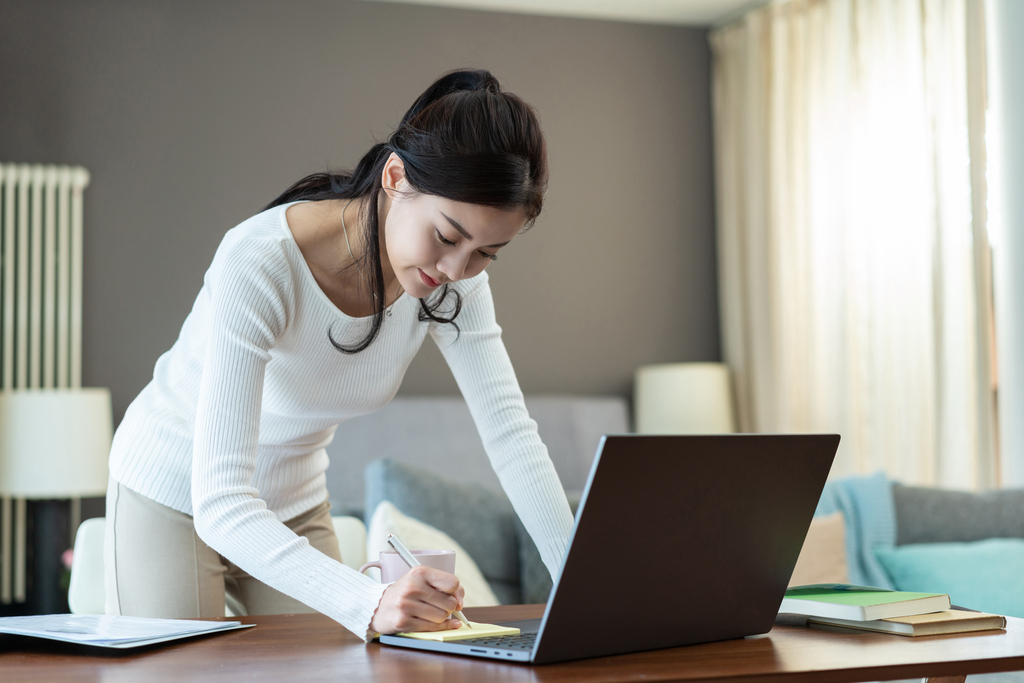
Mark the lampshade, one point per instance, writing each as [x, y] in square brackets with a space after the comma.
[54, 443]
[683, 398]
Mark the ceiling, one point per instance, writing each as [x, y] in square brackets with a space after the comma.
[679, 12]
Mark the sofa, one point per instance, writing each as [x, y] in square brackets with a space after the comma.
[437, 434]
[422, 454]
[970, 545]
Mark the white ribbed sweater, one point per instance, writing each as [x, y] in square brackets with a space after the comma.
[233, 427]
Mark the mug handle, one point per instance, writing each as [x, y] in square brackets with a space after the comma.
[375, 563]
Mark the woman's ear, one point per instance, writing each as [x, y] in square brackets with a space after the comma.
[393, 179]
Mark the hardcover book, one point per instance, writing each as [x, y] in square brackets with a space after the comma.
[859, 603]
[946, 621]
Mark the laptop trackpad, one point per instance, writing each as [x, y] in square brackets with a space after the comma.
[524, 626]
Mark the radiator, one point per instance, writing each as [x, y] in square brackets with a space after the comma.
[40, 312]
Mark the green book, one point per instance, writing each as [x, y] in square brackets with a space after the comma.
[859, 603]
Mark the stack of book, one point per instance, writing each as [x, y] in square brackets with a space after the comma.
[877, 609]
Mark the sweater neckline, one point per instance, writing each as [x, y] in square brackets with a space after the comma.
[308, 274]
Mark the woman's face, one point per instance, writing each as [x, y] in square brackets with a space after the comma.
[430, 241]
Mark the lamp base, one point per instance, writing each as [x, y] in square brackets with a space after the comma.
[48, 536]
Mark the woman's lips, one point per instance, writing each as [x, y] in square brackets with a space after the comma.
[430, 282]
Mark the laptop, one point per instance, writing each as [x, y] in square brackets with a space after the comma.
[677, 540]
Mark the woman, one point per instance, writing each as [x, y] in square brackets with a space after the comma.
[309, 315]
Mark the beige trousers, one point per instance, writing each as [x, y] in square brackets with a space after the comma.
[157, 566]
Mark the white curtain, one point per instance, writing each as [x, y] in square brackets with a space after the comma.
[848, 274]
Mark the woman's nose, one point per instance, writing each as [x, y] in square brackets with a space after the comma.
[454, 267]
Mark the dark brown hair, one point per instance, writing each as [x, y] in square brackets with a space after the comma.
[463, 139]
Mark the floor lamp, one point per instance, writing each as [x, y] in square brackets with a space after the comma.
[54, 444]
[683, 398]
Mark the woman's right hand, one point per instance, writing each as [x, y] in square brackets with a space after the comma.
[422, 600]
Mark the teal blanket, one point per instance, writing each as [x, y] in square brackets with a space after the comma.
[866, 504]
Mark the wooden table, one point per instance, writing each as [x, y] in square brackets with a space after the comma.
[311, 647]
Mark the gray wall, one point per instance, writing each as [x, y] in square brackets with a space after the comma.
[192, 115]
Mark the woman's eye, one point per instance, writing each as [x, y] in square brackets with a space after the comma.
[444, 240]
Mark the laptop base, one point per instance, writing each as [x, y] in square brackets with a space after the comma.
[477, 647]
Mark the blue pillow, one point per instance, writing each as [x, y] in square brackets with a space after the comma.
[982, 575]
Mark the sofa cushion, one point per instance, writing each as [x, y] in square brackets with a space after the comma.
[823, 555]
[387, 519]
[478, 518]
[982, 575]
[437, 433]
[927, 515]
[351, 533]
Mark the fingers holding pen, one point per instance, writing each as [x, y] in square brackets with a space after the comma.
[443, 582]
[422, 600]
[439, 592]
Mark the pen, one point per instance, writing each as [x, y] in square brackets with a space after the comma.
[411, 560]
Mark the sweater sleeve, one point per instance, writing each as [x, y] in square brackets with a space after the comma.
[482, 368]
[250, 287]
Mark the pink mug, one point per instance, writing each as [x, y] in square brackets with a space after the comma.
[392, 567]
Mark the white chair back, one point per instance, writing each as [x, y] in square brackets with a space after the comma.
[86, 594]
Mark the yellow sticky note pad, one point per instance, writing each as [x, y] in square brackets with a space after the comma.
[463, 632]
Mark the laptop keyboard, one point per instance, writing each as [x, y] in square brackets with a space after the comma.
[523, 641]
